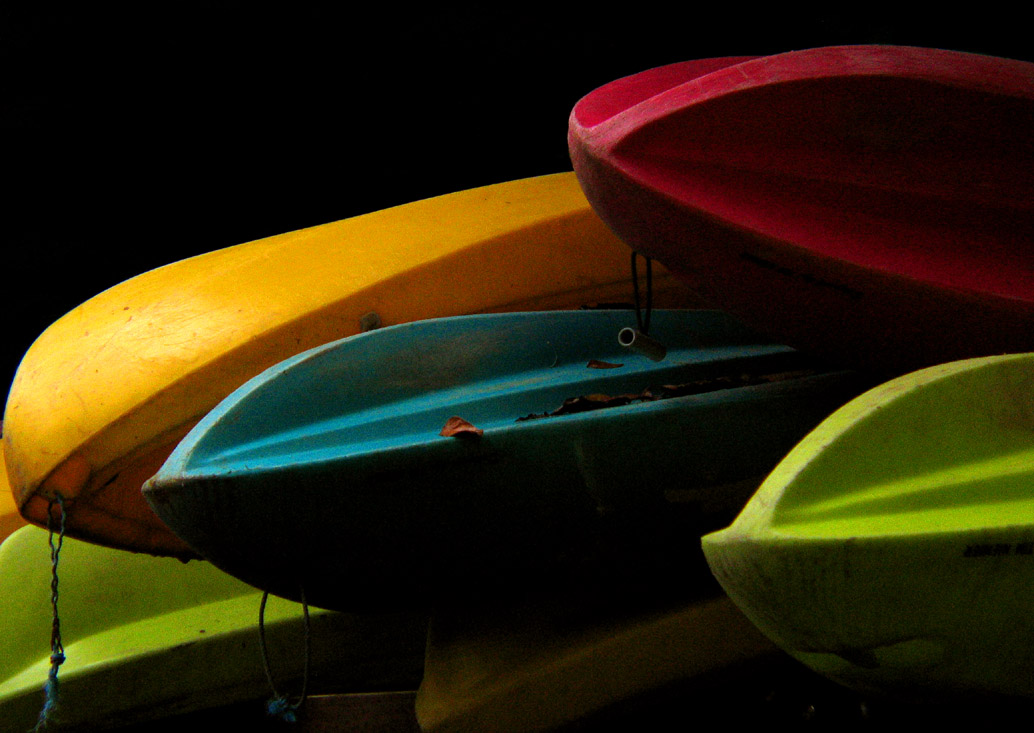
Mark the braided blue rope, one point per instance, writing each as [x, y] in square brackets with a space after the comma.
[57, 649]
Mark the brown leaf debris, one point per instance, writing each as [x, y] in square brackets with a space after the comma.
[457, 427]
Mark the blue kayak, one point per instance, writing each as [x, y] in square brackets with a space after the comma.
[444, 456]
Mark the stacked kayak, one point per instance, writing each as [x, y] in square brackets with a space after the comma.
[541, 664]
[10, 520]
[149, 637]
[892, 548]
[104, 394]
[155, 353]
[873, 204]
[407, 411]
[439, 458]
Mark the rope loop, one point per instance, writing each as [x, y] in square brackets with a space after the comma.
[279, 706]
[642, 323]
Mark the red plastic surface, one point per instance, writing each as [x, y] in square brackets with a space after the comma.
[872, 203]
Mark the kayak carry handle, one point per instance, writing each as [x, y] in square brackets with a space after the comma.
[651, 348]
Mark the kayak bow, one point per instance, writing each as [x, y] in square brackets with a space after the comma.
[104, 393]
[892, 548]
[149, 637]
[330, 472]
[872, 204]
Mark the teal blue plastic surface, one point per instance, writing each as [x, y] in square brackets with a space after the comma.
[328, 471]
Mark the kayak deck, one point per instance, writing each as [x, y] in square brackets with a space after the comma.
[104, 394]
[331, 472]
[890, 549]
[948, 449]
[872, 204]
[320, 406]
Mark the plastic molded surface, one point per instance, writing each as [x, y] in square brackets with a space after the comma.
[874, 204]
[329, 471]
[893, 547]
[149, 637]
[105, 392]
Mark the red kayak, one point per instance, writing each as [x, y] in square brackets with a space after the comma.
[873, 204]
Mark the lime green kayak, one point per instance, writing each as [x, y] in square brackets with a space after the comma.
[148, 637]
[892, 549]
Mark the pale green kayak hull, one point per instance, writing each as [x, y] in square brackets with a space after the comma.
[149, 637]
[893, 548]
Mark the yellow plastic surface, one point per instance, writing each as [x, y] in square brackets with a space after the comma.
[146, 637]
[104, 393]
[539, 667]
[10, 519]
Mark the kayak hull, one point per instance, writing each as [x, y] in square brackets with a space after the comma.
[836, 227]
[546, 663]
[10, 519]
[891, 549]
[147, 638]
[104, 393]
[346, 438]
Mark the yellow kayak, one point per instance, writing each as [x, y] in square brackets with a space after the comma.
[10, 520]
[546, 663]
[149, 637]
[104, 394]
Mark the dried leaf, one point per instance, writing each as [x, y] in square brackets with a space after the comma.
[585, 403]
[457, 427]
[597, 364]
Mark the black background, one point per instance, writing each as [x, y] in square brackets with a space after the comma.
[137, 138]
